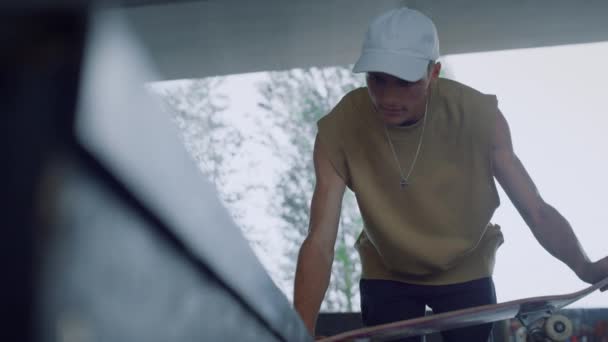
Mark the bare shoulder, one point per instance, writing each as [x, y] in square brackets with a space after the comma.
[326, 175]
[502, 142]
[504, 160]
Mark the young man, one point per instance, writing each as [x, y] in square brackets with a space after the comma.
[421, 154]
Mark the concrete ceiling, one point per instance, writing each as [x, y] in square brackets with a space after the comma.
[188, 39]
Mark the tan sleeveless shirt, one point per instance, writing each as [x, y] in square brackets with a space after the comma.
[437, 230]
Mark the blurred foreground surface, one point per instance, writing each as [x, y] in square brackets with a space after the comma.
[112, 234]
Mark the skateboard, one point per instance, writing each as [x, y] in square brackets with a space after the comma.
[537, 314]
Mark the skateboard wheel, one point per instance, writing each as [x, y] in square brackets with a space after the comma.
[558, 328]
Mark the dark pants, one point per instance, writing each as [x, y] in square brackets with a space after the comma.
[385, 301]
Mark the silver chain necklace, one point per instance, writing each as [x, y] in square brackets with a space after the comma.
[404, 181]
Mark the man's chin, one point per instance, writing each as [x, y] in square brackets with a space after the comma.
[393, 120]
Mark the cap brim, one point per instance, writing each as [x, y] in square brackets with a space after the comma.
[404, 67]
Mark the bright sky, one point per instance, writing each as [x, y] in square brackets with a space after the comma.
[554, 100]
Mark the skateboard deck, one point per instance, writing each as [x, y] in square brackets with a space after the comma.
[530, 311]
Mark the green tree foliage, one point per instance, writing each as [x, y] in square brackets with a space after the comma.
[211, 140]
[293, 101]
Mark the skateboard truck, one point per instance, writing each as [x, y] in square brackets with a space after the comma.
[544, 325]
[538, 316]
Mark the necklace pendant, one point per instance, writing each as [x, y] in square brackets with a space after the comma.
[403, 183]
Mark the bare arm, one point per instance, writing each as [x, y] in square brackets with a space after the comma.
[317, 252]
[548, 226]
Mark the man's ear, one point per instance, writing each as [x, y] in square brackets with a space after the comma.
[436, 70]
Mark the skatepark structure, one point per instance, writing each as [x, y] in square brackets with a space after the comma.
[111, 231]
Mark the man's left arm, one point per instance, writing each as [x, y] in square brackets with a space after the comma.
[548, 226]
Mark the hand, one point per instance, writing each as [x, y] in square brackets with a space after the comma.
[592, 272]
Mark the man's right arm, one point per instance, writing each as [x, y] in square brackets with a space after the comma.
[317, 251]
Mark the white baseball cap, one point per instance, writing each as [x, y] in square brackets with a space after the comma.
[400, 42]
